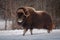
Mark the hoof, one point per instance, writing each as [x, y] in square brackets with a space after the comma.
[23, 34]
[48, 31]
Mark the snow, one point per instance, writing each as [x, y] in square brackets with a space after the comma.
[37, 35]
[20, 32]
[17, 34]
[2, 24]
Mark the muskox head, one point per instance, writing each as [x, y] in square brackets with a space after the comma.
[22, 14]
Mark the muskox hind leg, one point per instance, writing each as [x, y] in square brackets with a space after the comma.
[51, 27]
[49, 30]
[25, 30]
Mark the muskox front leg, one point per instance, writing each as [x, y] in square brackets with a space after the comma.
[25, 30]
[31, 31]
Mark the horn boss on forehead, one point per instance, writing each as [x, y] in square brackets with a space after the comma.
[23, 10]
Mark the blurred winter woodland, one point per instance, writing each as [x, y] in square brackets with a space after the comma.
[8, 11]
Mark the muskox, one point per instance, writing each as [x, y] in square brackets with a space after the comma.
[29, 18]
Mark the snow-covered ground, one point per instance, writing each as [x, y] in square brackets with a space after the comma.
[37, 35]
[2, 24]
[17, 34]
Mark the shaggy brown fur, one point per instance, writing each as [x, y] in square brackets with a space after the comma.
[30, 19]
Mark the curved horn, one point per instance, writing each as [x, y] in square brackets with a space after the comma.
[26, 13]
